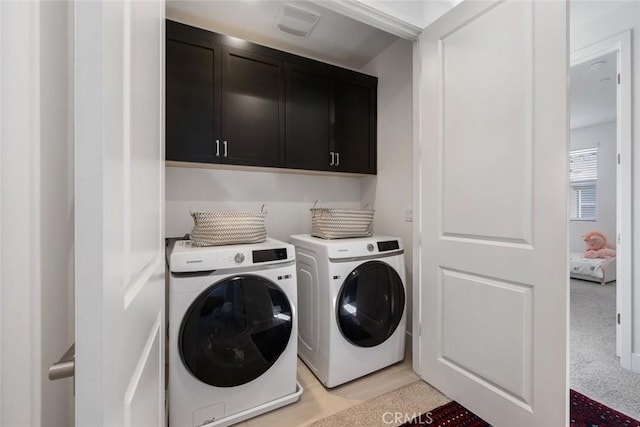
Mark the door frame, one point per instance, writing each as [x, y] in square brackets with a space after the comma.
[20, 245]
[620, 43]
[416, 315]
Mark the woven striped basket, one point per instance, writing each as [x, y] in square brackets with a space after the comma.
[332, 223]
[227, 228]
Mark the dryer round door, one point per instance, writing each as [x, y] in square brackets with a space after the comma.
[370, 304]
[235, 330]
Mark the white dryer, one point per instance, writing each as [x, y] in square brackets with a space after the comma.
[351, 305]
[232, 332]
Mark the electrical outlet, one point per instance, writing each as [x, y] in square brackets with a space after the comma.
[408, 215]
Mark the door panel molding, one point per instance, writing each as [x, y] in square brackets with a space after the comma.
[500, 354]
[499, 57]
[150, 366]
[137, 283]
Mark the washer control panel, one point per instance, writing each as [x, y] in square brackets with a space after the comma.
[268, 255]
[389, 245]
[185, 257]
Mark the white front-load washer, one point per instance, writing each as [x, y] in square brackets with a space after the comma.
[232, 332]
[351, 305]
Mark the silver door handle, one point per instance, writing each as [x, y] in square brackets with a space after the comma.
[224, 145]
[332, 158]
[337, 159]
[66, 366]
[217, 148]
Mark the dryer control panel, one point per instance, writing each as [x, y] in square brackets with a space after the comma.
[389, 245]
[340, 249]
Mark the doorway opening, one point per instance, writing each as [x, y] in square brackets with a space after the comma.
[600, 201]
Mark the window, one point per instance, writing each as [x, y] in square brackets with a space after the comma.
[583, 176]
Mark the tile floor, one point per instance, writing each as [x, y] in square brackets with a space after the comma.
[317, 402]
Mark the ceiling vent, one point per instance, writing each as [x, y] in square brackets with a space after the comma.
[296, 20]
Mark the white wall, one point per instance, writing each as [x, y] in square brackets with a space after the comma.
[390, 191]
[56, 204]
[287, 197]
[602, 136]
[623, 16]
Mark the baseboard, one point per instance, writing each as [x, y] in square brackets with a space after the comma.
[635, 362]
[411, 345]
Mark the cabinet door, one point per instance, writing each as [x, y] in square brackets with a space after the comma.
[309, 111]
[192, 101]
[253, 109]
[355, 126]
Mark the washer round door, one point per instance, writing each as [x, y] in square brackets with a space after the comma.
[370, 304]
[235, 330]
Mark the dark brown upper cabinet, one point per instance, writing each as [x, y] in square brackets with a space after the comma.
[231, 101]
[192, 101]
[355, 125]
[331, 119]
[252, 109]
[309, 112]
[224, 104]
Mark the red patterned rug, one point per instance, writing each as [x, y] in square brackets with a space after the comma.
[585, 412]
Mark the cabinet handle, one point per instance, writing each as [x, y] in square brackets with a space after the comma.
[224, 145]
[217, 148]
[337, 159]
[332, 158]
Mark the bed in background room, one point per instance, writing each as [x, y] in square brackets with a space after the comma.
[593, 269]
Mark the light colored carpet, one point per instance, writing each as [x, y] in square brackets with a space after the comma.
[595, 369]
[407, 402]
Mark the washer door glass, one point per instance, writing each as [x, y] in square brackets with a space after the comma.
[370, 304]
[235, 330]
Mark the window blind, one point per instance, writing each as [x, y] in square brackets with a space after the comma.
[583, 177]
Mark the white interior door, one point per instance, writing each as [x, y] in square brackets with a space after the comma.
[493, 209]
[119, 196]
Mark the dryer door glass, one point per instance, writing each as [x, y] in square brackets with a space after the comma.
[235, 330]
[370, 304]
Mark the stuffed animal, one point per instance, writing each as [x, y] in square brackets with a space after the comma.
[597, 246]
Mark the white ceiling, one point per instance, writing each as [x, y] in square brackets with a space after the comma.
[336, 39]
[342, 37]
[593, 92]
